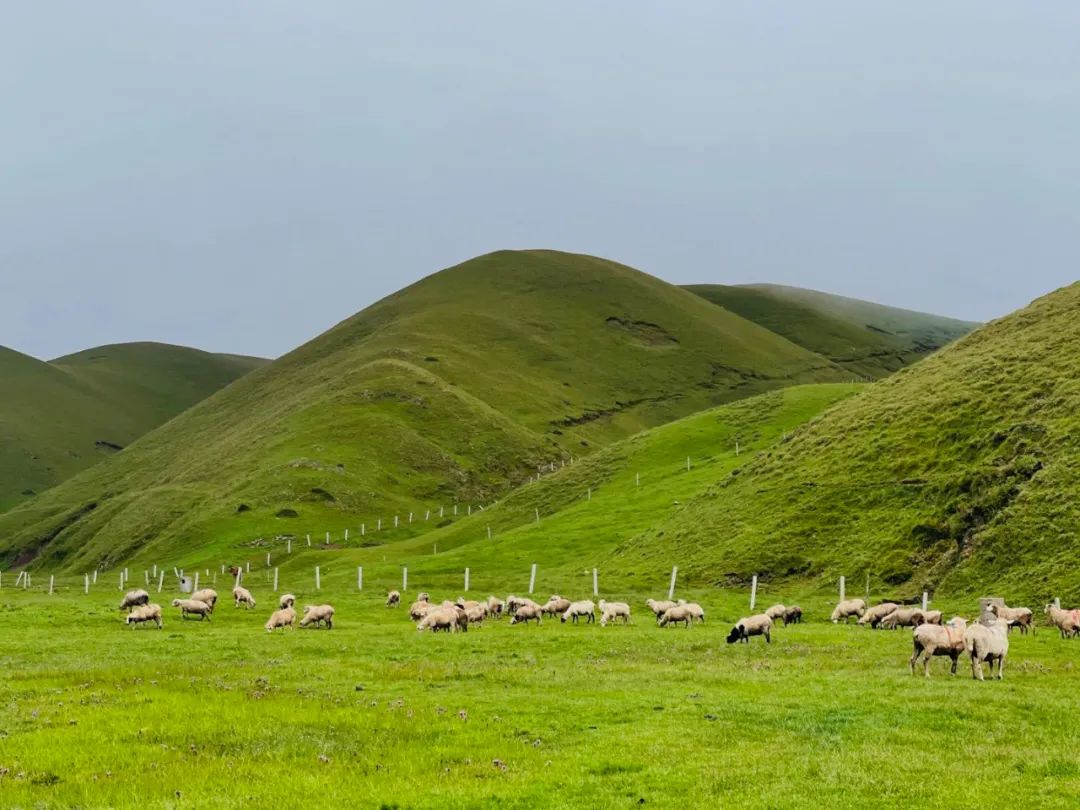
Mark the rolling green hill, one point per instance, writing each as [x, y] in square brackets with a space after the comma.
[870, 340]
[959, 473]
[449, 390]
[59, 418]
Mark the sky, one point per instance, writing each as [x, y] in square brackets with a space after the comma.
[239, 176]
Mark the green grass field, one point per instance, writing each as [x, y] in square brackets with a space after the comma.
[374, 714]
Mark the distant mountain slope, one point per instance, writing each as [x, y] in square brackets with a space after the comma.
[960, 472]
[59, 418]
[871, 340]
[448, 390]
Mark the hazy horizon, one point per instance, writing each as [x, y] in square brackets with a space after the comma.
[240, 178]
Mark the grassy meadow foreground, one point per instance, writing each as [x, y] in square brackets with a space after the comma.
[375, 714]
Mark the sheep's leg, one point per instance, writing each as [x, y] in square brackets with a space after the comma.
[915, 652]
[955, 659]
[1001, 667]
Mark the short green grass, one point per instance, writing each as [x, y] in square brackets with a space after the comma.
[373, 714]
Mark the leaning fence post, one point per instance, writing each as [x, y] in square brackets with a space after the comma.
[753, 592]
[671, 587]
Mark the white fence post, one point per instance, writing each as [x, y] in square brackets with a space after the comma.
[346, 535]
[288, 545]
[595, 591]
[537, 512]
[404, 579]
[161, 579]
[395, 521]
[637, 479]
[121, 580]
[146, 577]
[268, 559]
[589, 496]
[489, 532]
[688, 463]
[359, 577]
[671, 587]
[328, 538]
[309, 541]
[248, 568]
[925, 596]
[753, 592]
[363, 529]
[842, 582]
[275, 578]
[1057, 602]
[95, 577]
[86, 583]
[195, 584]
[532, 579]
[51, 579]
[466, 580]
[318, 583]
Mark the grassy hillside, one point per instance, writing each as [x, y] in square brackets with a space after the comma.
[445, 392]
[59, 418]
[868, 339]
[959, 473]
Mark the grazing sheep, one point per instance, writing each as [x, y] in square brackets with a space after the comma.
[287, 600]
[610, 611]
[659, 608]
[496, 606]
[931, 616]
[526, 612]
[469, 604]
[134, 599]
[476, 614]
[393, 599]
[759, 625]
[697, 612]
[144, 613]
[577, 609]
[848, 608]
[874, 616]
[285, 617]
[194, 607]
[776, 612]
[1067, 621]
[903, 617]
[439, 618]
[420, 609]
[934, 639]
[676, 614]
[514, 602]
[987, 642]
[208, 595]
[317, 614]
[1021, 617]
[555, 605]
[242, 596]
[793, 615]
[423, 596]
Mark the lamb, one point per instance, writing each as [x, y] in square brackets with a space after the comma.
[659, 608]
[526, 612]
[578, 609]
[439, 618]
[1067, 621]
[776, 612]
[144, 613]
[555, 605]
[317, 614]
[759, 625]
[285, 617]
[496, 606]
[194, 607]
[1018, 617]
[933, 639]
[242, 596]
[134, 599]
[208, 595]
[874, 616]
[610, 611]
[676, 614]
[393, 599]
[987, 642]
[793, 615]
[903, 617]
[287, 600]
[848, 608]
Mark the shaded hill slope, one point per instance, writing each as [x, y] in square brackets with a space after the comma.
[449, 390]
[870, 340]
[59, 418]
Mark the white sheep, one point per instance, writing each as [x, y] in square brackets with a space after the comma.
[144, 613]
[242, 596]
[776, 612]
[987, 642]
[659, 607]
[287, 600]
[697, 613]
[476, 613]
[526, 612]
[393, 599]
[848, 608]
[134, 599]
[1067, 621]
[758, 625]
[317, 614]
[496, 606]
[193, 607]
[208, 595]
[610, 611]
[875, 615]
[793, 615]
[1021, 617]
[578, 609]
[285, 617]
[677, 613]
[439, 619]
[555, 605]
[929, 640]
[420, 609]
[904, 617]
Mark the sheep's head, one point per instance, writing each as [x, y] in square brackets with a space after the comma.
[176, 603]
[734, 635]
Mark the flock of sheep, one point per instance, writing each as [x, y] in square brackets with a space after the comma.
[201, 603]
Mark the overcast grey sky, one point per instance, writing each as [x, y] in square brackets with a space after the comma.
[239, 176]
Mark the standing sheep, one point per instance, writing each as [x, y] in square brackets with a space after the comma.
[929, 640]
[525, 613]
[439, 619]
[134, 599]
[144, 613]
[393, 599]
[419, 609]
[1021, 617]
[874, 616]
[848, 608]
[697, 612]
[242, 596]
[555, 605]
[285, 617]
[903, 617]
[793, 615]
[1067, 621]
[577, 609]
[194, 607]
[989, 643]
[776, 612]
[759, 625]
[496, 606]
[317, 614]
[660, 607]
[208, 595]
[676, 614]
[287, 600]
[610, 611]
